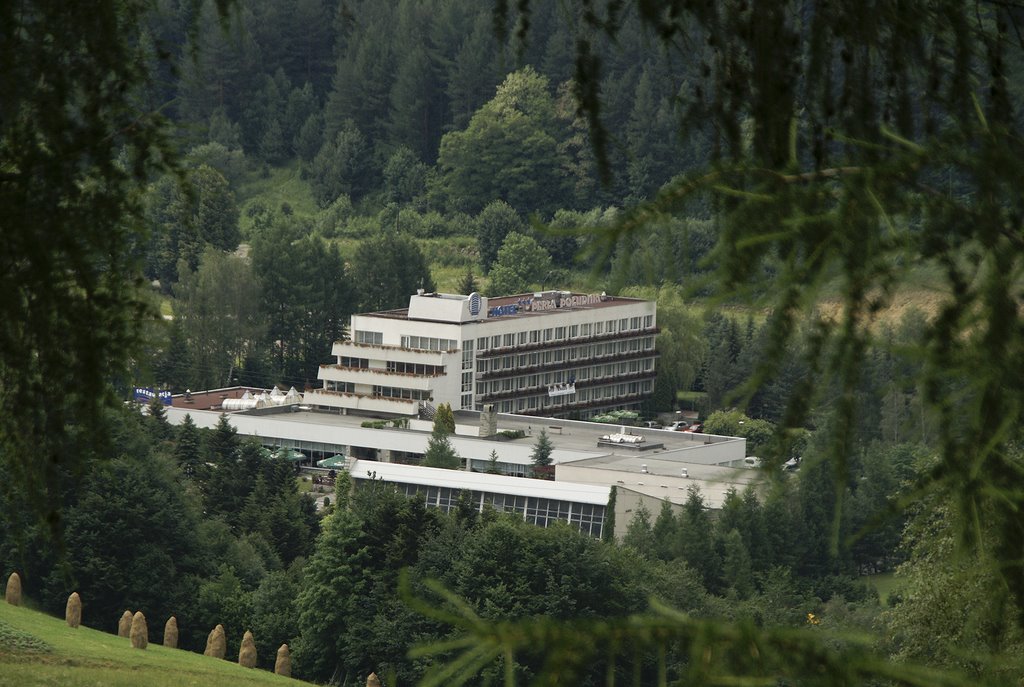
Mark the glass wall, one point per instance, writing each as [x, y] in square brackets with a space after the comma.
[588, 518]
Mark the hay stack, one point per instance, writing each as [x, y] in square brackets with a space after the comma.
[372, 680]
[247, 652]
[283, 664]
[73, 610]
[171, 633]
[13, 592]
[124, 625]
[216, 643]
[139, 632]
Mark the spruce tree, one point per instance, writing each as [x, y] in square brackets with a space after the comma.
[541, 455]
[440, 453]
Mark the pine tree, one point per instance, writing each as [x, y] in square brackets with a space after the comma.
[468, 283]
[440, 453]
[445, 418]
[541, 455]
[492, 464]
[188, 450]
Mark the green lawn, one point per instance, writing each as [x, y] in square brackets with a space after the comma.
[283, 185]
[37, 649]
[884, 584]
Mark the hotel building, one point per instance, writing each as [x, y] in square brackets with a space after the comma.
[553, 354]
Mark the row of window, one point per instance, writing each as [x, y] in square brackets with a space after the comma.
[582, 396]
[589, 518]
[393, 366]
[565, 376]
[429, 343]
[344, 387]
[415, 368]
[583, 352]
[367, 337]
[398, 392]
[624, 324]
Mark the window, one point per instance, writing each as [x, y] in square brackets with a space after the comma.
[341, 387]
[368, 337]
[548, 334]
[521, 338]
[481, 343]
[535, 336]
[429, 343]
[507, 340]
[648, 321]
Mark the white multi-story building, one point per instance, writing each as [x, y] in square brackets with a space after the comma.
[555, 354]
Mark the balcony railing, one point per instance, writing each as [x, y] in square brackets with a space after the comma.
[542, 390]
[565, 343]
[577, 364]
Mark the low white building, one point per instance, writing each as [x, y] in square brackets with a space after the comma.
[660, 466]
[555, 354]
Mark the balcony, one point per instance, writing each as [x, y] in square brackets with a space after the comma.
[374, 375]
[352, 349]
[577, 364]
[608, 402]
[565, 343]
[364, 402]
[544, 390]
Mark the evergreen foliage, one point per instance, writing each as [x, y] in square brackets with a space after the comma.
[440, 453]
[388, 269]
[541, 453]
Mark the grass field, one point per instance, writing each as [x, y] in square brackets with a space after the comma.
[884, 584]
[37, 649]
[282, 185]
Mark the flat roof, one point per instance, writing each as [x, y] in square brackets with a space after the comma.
[573, 440]
[523, 304]
[212, 398]
[480, 481]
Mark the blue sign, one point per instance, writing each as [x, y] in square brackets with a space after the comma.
[144, 394]
[503, 310]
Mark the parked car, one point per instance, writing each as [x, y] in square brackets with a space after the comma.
[679, 425]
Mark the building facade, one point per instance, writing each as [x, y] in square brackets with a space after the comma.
[555, 354]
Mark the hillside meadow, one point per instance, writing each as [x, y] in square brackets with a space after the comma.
[37, 649]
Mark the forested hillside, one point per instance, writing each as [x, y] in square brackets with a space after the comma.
[360, 151]
[824, 198]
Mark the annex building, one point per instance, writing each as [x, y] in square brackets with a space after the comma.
[589, 459]
[552, 354]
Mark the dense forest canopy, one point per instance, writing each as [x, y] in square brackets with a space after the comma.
[258, 171]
